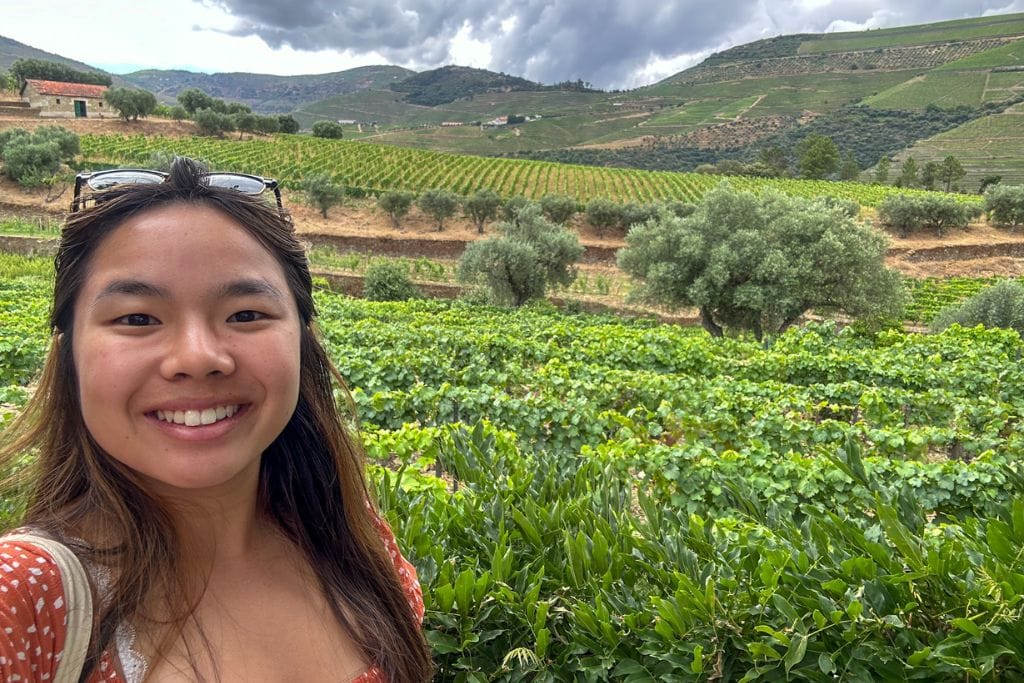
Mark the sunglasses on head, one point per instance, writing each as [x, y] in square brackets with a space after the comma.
[104, 180]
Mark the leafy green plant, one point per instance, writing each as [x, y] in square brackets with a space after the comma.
[388, 281]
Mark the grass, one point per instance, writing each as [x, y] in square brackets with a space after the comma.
[944, 89]
[946, 31]
[1001, 86]
[14, 266]
[33, 227]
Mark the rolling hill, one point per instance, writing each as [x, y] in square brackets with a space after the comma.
[265, 93]
[929, 90]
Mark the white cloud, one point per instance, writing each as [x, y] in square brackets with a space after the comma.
[465, 50]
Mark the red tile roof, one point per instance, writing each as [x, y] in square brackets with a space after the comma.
[69, 89]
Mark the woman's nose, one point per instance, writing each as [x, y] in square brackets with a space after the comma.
[197, 350]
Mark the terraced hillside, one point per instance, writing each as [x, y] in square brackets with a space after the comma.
[992, 145]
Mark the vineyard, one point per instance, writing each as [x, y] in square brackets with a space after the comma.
[588, 498]
[371, 169]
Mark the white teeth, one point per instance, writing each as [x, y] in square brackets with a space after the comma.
[195, 418]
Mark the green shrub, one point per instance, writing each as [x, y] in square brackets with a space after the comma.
[66, 141]
[604, 214]
[847, 206]
[388, 281]
[1004, 205]
[328, 129]
[558, 208]
[634, 213]
[30, 163]
[10, 135]
[1001, 305]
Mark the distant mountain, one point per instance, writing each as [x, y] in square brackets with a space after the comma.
[450, 83]
[11, 51]
[265, 93]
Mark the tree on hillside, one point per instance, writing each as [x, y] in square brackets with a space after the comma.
[8, 81]
[212, 122]
[194, 100]
[760, 262]
[849, 170]
[1004, 205]
[245, 122]
[988, 181]
[929, 175]
[819, 157]
[267, 125]
[532, 254]
[439, 205]
[558, 208]
[482, 206]
[950, 171]
[882, 171]
[25, 68]
[908, 173]
[131, 103]
[328, 129]
[287, 123]
[395, 204]
[322, 192]
[776, 159]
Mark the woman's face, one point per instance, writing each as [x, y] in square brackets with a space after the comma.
[186, 346]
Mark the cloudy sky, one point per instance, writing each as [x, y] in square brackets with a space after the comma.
[611, 43]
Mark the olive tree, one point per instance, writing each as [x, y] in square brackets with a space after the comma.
[131, 103]
[328, 129]
[395, 204]
[531, 254]
[482, 206]
[1004, 205]
[558, 208]
[1001, 305]
[439, 205]
[322, 192]
[758, 263]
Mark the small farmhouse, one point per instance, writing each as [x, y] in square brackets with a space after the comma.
[65, 100]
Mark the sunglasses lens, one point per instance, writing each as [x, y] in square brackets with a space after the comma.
[235, 181]
[107, 179]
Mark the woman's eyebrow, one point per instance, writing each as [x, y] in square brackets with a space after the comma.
[132, 288]
[251, 287]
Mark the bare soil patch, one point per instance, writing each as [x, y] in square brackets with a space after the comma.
[106, 126]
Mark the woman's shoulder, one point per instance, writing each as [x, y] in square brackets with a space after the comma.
[32, 610]
[28, 569]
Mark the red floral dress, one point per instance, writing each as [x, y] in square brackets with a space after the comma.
[33, 616]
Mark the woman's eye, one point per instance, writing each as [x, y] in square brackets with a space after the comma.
[137, 319]
[246, 317]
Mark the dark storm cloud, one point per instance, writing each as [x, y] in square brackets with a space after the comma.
[607, 42]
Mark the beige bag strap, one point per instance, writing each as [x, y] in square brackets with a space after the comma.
[77, 598]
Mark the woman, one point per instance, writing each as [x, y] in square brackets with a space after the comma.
[191, 454]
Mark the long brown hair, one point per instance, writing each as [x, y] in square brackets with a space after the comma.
[312, 483]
